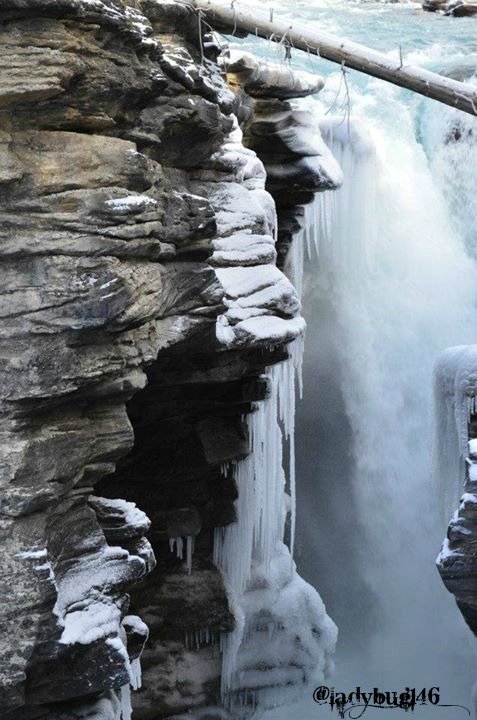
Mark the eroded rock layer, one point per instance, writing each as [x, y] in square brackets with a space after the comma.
[141, 304]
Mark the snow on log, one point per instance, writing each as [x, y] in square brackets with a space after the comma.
[241, 19]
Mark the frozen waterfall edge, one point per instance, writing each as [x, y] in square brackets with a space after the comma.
[283, 638]
[456, 459]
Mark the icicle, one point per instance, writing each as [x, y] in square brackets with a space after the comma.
[199, 638]
[253, 547]
[190, 541]
[135, 674]
[178, 543]
[126, 708]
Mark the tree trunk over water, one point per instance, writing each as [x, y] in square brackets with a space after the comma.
[242, 18]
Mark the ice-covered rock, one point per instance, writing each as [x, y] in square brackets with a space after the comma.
[434, 5]
[262, 306]
[455, 387]
[291, 147]
[456, 470]
[261, 78]
[297, 160]
[243, 249]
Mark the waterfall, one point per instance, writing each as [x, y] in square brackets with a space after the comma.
[387, 287]
[450, 139]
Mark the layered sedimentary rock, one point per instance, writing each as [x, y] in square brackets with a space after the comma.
[285, 137]
[141, 306]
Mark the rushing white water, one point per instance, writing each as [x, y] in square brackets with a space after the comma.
[389, 284]
[451, 140]
[402, 289]
[399, 288]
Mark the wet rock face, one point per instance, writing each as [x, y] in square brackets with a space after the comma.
[459, 8]
[434, 5]
[455, 8]
[141, 304]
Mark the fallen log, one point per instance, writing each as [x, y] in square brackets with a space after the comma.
[235, 17]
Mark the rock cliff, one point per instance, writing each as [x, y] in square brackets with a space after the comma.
[141, 305]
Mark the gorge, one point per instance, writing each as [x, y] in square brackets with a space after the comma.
[173, 210]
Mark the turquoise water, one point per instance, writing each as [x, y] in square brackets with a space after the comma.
[394, 286]
[381, 26]
[439, 43]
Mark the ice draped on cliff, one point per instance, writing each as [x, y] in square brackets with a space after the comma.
[283, 639]
[455, 468]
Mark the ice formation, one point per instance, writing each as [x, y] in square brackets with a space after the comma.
[131, 204]
[178, 544]
[198, 638]
[455, 387]
[135, 674]
[283, 636]
[86, 613]
[126, 707]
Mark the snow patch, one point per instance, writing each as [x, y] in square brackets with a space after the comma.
[95, 621]
[32, 554]
[447, 553]
[131, 204]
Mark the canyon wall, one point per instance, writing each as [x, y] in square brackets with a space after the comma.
[141, 305]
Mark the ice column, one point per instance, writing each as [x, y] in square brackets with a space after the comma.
[455, 387]
[283, 635]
